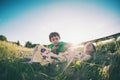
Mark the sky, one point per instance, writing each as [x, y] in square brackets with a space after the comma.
[75, 20]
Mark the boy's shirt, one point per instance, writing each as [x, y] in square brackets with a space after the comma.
[60, 47]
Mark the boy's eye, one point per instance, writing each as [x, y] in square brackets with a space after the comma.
[53, 39]
[56, 38]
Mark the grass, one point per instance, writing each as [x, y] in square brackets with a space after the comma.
[103, 66]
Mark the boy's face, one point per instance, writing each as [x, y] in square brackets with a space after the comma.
[55, 40]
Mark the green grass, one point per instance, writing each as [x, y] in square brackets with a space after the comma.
[103, 66]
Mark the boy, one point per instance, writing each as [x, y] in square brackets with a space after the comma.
[57, 46]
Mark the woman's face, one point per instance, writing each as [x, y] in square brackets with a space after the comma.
[89, 47]
[55, 40]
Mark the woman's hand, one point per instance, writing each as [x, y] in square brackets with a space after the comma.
[30, 62]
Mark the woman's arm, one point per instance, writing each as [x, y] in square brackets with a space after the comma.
[33, 54]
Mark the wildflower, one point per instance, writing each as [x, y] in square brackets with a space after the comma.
[77, 63]
[57, 65]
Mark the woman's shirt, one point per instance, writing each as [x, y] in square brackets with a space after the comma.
[83, 57]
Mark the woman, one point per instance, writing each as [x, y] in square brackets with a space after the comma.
[88, 49]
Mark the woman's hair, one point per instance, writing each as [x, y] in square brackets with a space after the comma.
[94, 47]
[52, 34]
[94, 52]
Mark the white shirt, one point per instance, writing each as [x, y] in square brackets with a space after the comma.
[83, 57]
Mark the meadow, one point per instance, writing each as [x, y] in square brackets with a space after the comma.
[104, 65]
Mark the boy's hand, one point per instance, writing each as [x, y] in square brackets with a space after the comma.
[55, 47]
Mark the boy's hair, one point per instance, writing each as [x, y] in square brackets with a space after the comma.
[52, 34]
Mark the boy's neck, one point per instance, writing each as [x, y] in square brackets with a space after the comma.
[56, 45]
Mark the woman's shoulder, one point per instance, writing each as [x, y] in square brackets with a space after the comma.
[84, 57]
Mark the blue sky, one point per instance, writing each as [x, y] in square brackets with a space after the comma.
[75, 20]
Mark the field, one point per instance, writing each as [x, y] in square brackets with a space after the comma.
[104, 65]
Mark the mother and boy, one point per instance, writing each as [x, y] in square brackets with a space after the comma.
[58, 47]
